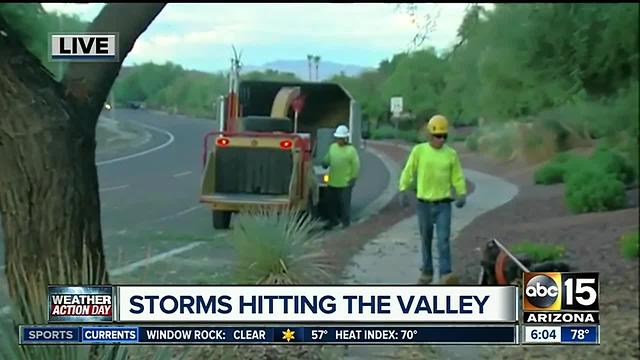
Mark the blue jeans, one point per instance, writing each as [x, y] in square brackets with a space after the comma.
[439, 215]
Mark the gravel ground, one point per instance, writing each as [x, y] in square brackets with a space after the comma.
[538, 214]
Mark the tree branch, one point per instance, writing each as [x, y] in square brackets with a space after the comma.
[88, 84]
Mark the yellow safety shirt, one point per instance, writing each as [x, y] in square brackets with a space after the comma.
[432, 172]
[344, 164]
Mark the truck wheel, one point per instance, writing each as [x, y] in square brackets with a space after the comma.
[221, 219]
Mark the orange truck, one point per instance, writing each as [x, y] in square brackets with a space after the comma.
[269, 146]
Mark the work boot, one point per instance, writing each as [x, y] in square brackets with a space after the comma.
[425, 279]
[448, 279]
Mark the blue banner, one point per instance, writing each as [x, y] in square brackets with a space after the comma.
[580, 334]
[487, 334]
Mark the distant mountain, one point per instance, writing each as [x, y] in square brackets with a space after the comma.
[300, 68]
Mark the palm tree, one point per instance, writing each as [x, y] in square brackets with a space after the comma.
[316, 59]
[309, 59]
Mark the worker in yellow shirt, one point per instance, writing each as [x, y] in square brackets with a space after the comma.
[344, 166]
[432, 170]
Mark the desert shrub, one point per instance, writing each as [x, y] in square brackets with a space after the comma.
[458, 137]
[412, 136]
[384, 132]
[590, 188]
[539, 252]
[471, 142]
[277, 247]
[614, 163]
[32, 291]
[390, 132]
[554, 170]
[550, 173]
[630, 245]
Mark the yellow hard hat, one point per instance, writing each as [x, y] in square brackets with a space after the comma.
[438, 124]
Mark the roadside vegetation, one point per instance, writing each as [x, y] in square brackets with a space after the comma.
[32, 292]
[630, 245]
[277, 247]
[171, 88]
[537, 252]
[563, 83]
[531, 93]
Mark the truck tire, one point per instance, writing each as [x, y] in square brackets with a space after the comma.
[221, 219]
[267, 124]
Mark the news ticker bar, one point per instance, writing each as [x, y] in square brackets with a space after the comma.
[178, 335]
[562, 335]
[180, 304]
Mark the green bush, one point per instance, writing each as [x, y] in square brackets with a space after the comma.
[630, 245]
[539, 252]
[384, 132]
[590, 188]
[615, 164]
[554, 170]
[389, 132]
[472, 142]
[412, 136]
[277, 247]
[550, 173]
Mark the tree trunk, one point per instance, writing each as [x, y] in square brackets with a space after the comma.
[49, 200]
[48, 185]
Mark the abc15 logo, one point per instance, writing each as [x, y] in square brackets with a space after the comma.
[554, 291]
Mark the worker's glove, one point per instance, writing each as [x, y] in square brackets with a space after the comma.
[403, 199]
[461, 201]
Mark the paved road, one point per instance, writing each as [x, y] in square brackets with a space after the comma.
[149, 203]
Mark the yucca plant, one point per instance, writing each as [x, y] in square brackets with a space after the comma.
[35, 293]
[277, 247]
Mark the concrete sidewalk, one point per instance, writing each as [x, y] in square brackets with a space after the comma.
[393, 257]
[398, 248]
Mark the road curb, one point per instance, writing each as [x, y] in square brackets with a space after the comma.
[144, 152]
[389, 192]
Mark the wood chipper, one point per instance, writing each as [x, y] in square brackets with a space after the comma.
[269, 146]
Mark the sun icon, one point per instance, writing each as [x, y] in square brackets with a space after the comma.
[288, 335]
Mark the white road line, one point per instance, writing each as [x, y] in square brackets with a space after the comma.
[5, 310]
[180, 213]
[161, 146]
[145, 262]
[114, 188]
[182, 174]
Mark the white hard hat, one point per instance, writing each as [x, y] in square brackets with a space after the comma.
[341, 132]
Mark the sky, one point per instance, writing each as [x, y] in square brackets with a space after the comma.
[200, 36]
